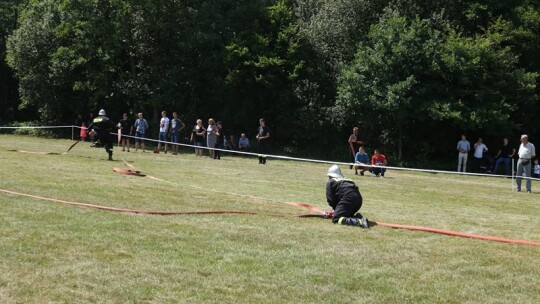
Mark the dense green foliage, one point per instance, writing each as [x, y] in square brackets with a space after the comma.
[412, 74]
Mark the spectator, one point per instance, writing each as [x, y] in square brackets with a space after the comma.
[354, 144]
[140, 126]
[379, 161]
[536, 168]
[463, 146]
[102, 127]
[126, 129]
[198, 134]
[232, 144]
[478, 157]
[211, 137]
[220, 140]
[504, 155]
[526, 153]
[263, 133]
[163, 130]
[176, 126]
[243, 143]
[83, 132]
[361, 158]
[345, 199]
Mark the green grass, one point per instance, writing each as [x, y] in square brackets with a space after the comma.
[54, 253]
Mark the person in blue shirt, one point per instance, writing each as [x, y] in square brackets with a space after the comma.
[361, 158]
[243, 143]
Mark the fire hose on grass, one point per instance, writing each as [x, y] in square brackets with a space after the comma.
[319, 213]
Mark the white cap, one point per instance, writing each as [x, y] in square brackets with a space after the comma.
[102, 112]
[334, 172]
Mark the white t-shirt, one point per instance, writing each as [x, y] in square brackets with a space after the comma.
[164, 124]
[527, 151]
[479, 150]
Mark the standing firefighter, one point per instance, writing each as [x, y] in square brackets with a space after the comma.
[102, 126]
[345, 198]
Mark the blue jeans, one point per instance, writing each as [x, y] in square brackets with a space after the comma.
[503, 159]
[521, 168]
[175, 137]
[162, 136]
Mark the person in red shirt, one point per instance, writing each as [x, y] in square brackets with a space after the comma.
[377, 160]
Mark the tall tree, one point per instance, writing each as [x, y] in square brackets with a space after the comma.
[9, 12]
[416, 72]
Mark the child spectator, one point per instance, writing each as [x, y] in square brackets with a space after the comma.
[83, 131]
[536, 168]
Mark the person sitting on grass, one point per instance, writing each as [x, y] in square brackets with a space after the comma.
[361, 159]
[345, 199]
[243, 143]
[378, 160]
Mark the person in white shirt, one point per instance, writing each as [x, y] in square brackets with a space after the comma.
[526, 153]
[478, 157]
[463, 146]
[163, 130]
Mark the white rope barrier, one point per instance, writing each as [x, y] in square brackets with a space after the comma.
[325, 161]
[39, 127]
[304, 159]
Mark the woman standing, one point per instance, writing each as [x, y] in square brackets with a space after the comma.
[220, 143]
[211, 136]
[197, 137]
[126, 129]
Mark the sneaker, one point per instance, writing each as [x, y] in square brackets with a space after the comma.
[355, 173]
[364, 222]
[110, 155]
[358, 215]
[362, 173]
[518, 190]
[528, 191]
[378, 175]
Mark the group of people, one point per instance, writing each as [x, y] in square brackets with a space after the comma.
[211, 136]
[505, 155]
[362, 161]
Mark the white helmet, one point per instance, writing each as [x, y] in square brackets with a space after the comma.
[335, 172]
[102, 112]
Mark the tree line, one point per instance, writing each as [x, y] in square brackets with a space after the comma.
[413, 75]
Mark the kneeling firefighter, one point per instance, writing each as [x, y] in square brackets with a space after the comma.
[103, 126]
[345, 199]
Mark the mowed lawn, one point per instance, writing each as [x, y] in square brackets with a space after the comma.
[55, 253]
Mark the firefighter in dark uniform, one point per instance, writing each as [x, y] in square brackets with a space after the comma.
[345, 199]
[102, 126]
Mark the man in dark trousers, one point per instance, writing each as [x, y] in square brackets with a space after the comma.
[102, 126]
[263, 133]
[345, 199]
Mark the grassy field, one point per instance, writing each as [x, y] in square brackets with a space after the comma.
[54, 253]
